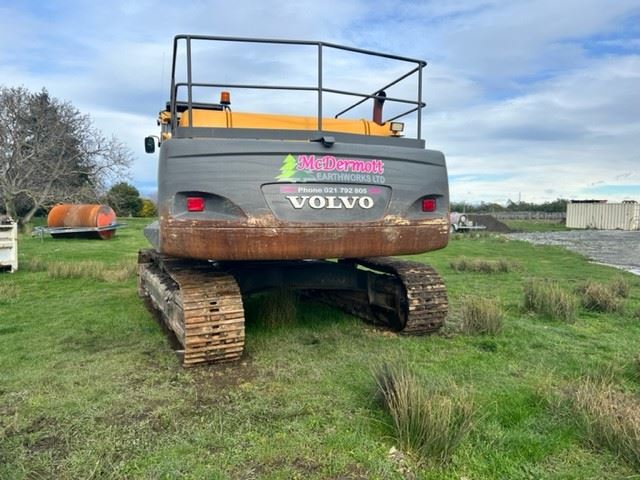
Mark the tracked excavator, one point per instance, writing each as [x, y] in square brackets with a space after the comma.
[255, 201]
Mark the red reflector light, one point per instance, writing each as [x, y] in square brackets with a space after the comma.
[429, 205]
[195, 204]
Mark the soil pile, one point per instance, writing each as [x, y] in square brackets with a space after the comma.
[492, 223]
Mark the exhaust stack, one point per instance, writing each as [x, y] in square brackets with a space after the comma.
[378, 102]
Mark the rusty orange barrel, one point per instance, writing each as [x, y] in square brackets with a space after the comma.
[82, 216]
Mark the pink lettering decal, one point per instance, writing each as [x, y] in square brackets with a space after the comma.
[330, 163]
[306, 162]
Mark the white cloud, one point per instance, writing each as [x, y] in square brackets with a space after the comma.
[567, 133]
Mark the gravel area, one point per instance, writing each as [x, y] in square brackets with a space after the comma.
[613, 247]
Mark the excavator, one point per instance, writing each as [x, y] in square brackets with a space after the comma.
[316, 203]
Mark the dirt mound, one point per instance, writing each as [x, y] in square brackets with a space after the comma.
[492, 223]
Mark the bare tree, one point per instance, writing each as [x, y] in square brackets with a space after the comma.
[50, 152]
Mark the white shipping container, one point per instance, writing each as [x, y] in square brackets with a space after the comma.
[9, 246]
[604, 216]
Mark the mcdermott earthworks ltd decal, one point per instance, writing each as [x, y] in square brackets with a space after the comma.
[312, 168]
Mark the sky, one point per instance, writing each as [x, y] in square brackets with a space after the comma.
[528, 100]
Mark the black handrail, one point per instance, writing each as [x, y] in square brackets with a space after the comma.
[399, 79]
[319, 88]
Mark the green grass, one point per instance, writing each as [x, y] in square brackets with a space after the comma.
[464, 264]
[481, 316]
[602, 297]
[535, 225]
[608, 417]
[90, 388]
[429, 423]
[548, 298]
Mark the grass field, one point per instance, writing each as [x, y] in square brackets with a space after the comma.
[535, 225]
[90, 388]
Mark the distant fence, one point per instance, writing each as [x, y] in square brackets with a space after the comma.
[528, 215]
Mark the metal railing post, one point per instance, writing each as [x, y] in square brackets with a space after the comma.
[420, 102]
[319, 86]
[189, 87]
[172, 105]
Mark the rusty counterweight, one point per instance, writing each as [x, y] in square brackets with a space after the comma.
[206, 239]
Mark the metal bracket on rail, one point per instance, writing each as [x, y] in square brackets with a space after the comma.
[325, 140]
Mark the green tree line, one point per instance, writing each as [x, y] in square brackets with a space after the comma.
[559, 205]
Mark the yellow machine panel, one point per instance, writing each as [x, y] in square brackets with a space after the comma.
[229, 119]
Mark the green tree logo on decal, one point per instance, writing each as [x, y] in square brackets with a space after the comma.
[288, 168]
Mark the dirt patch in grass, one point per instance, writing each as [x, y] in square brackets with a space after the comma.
[353, 472]
[141, 417]
[213, 378]
[41, 436]
[303, 467]
[47, 443]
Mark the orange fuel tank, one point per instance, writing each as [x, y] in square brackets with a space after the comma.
[81, 216]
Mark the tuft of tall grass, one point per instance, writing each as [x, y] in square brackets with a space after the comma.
[599, 297]
[548, 298]
[482, 266]
[620, 286]
[9, 292]
[279, 308]
[34, 264]
[428, 424]
[92, 270]
[635, 368]
[481, 316]
[120, 272]
[609, 418]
